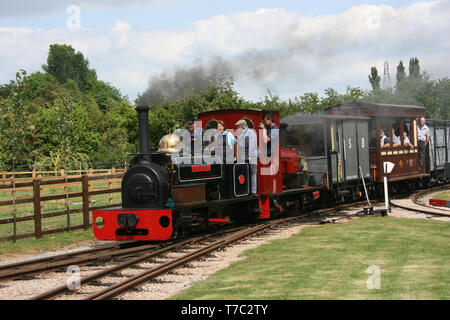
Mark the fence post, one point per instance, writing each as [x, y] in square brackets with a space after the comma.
[110, 172]
[37, 207]
[85, 190]
[4, 181]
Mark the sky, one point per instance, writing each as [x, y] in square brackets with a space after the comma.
[287, 47]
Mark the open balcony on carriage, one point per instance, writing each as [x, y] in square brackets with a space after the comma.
[392, 137]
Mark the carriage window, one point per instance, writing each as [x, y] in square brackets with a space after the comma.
[307, 138]
[396, 132]
[406, 135]
[383, 134]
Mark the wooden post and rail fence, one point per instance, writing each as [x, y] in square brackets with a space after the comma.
[25, 195]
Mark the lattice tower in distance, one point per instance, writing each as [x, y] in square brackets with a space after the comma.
[386, 77]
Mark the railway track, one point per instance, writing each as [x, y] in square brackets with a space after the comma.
[134, 272]
[421, 207]
[138, 264]
[117, 261]
[33, 267]
[29, 268]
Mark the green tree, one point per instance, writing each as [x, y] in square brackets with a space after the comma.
[374, 79]
[64, 63]
[414, 68]
[331, 97]
[102, 92]
[18, 127]
[353, 94]
[5, 90]
[401, 75]
[309, 102]
[68, 135]
[118, 135]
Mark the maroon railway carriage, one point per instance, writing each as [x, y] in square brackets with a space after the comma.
[393, 119]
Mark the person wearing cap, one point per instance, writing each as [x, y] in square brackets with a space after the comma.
[196, 136]
[247, 151]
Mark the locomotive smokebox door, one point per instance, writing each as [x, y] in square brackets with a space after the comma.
[241, 183]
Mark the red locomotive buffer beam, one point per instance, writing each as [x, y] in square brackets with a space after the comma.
[147, 225]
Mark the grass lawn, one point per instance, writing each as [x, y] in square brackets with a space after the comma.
[46, 243]
[330, 262]
[443, 195]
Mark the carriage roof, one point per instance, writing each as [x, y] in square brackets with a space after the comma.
[375, 109]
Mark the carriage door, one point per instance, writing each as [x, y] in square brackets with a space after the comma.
[439, 147]
[448, 143]
[431, 158]
[350, 147]
[336, 155]
[363, 147]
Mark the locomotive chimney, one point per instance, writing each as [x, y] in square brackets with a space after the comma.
[143, 128]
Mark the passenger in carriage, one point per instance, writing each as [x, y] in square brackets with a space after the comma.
[423, 137]
[228, 142]
[247, 151]
[270, 133]
[406, 141]
[395, 139]
[195, 134]
[384, 141]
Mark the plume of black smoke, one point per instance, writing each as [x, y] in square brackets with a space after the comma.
[184, 82]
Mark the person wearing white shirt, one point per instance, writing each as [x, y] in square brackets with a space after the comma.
[406, 141]
[247, 151]
[423, 137]
[395, 139]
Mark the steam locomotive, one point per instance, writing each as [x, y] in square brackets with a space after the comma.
[320, 160]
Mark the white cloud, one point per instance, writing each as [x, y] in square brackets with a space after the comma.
[120, 34]
[262, 46]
